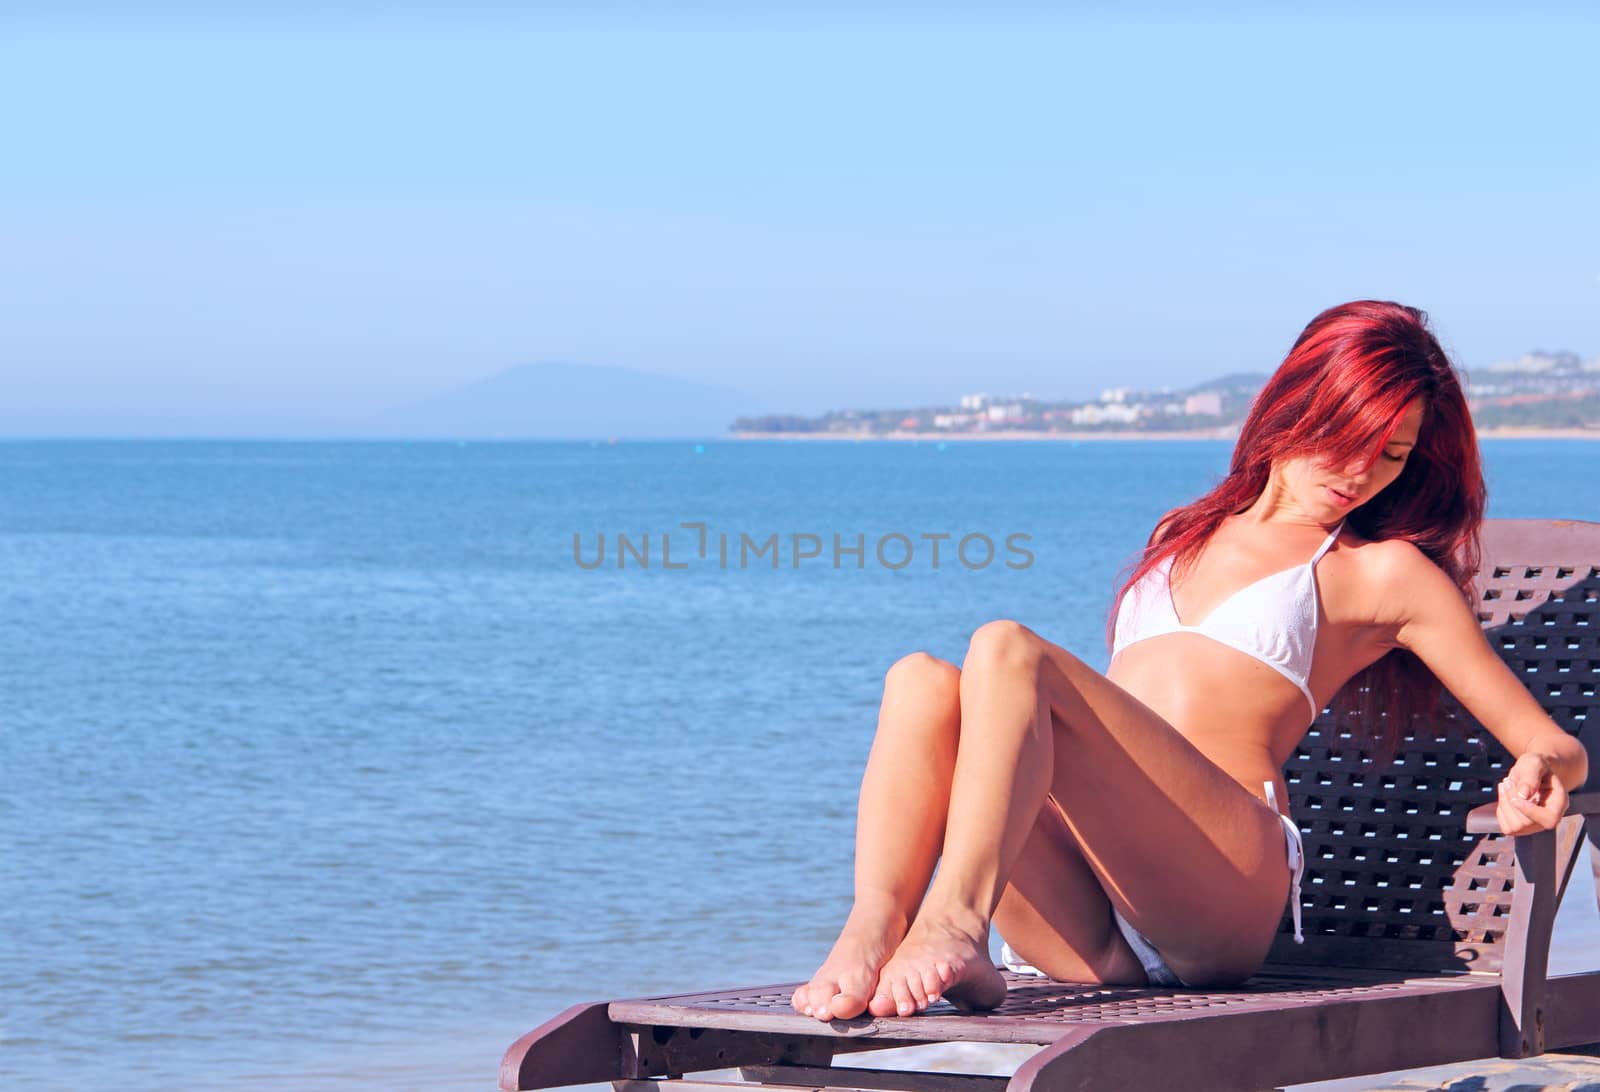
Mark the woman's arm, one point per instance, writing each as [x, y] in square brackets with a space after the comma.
[1436, 624]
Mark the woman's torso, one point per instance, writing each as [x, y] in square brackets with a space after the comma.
[1243, 714]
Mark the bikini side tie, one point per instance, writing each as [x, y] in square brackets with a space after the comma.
[1297, 861]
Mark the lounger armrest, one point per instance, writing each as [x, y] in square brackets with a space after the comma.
[1481, 819]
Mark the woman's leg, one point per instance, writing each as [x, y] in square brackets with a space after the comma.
[1055, 914]
[900, 823]
[899, 826]
[1190, 857]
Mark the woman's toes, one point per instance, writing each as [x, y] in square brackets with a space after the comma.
[932, 985]
[846, 1000]
[816, 996]
[847, 1003]
[903, 1005]
[919, 996]
[882, 1003]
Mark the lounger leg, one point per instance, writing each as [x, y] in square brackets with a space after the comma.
[1527, 950]
[1570, 836]
[1593, 830]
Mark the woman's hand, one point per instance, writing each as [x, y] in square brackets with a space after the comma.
[1531, 796]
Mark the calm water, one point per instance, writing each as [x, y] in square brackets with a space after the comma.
[326, 764]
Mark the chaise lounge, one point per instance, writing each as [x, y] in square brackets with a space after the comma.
[1427, 932]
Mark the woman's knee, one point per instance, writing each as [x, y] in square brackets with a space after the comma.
[926, 681]
[1003, 643]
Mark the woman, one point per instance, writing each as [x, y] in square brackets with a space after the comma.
[1125, 827]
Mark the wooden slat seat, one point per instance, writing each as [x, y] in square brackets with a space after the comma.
[1036, 1010]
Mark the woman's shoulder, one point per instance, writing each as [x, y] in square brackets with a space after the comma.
[1387, 561]
[1389, 581]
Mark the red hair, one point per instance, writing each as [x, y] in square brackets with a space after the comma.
[1338, 396]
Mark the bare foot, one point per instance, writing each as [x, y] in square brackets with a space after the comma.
[846, 979]
[939, 958]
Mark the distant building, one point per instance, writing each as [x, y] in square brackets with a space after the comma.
[1539, 362]
[1106, 413]
[1114, 394]
[1206, 403]
[951, 420]
[1011, 411]
[973, 401]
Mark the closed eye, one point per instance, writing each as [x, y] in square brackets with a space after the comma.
[1394, 458]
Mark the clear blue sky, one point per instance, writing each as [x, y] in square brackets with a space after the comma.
[313, 215]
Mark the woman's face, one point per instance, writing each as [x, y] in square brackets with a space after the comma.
[1329, 493]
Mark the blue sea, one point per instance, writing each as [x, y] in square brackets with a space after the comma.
[343, 764]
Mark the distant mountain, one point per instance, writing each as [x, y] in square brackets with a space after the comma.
[571, 401]
[1233, 381]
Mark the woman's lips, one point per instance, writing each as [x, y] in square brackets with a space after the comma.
[1343, 500]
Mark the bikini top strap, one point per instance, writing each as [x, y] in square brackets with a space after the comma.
[1326, 543]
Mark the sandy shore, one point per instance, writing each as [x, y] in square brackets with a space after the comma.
[1187, 434]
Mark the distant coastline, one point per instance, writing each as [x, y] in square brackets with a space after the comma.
[1540, 395]
[1500, 433]
[1512, 433]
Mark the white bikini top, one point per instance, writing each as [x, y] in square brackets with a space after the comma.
[1273, 620]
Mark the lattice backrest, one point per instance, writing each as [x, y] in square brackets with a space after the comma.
[1392, 877]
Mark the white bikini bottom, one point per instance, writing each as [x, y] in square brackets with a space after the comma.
[1155, 968]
